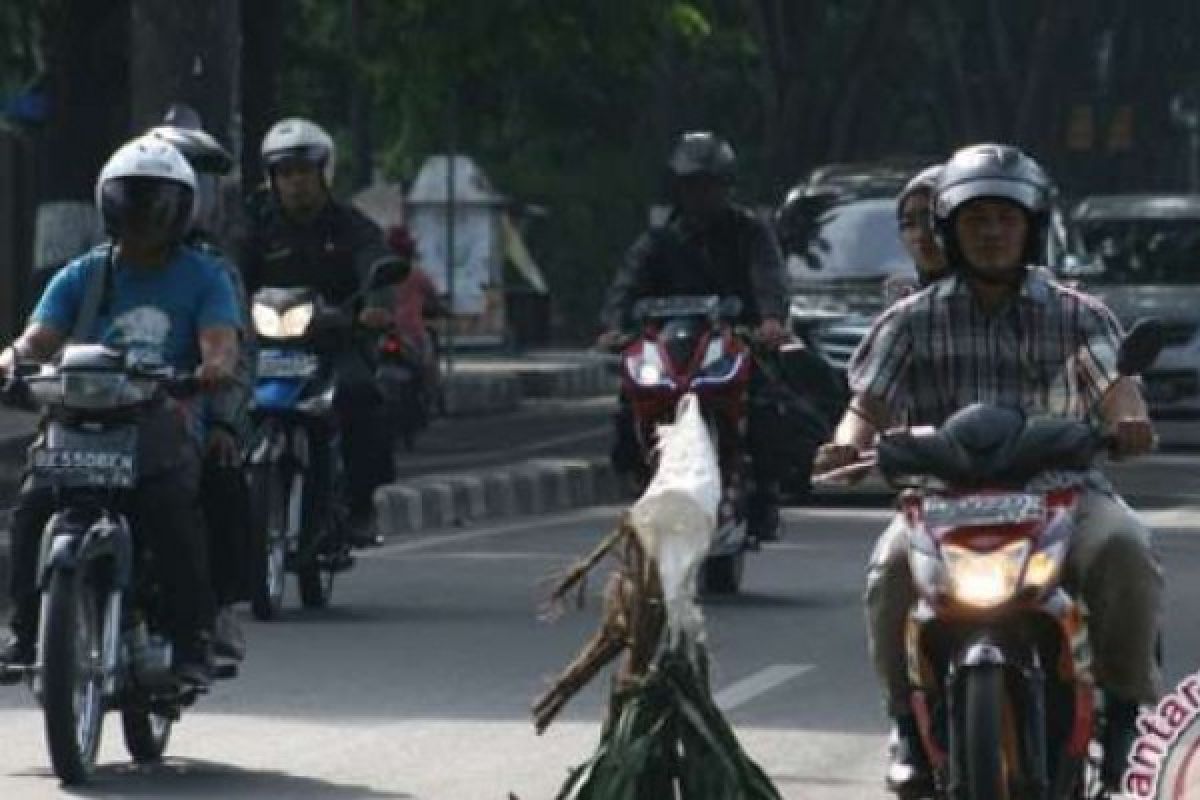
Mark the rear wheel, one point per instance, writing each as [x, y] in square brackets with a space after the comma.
[986, 774]
[72, 674]
[146, 735]
[269, 572]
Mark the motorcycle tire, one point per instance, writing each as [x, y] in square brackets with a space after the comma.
[72, 701]
[146, 735]
[722, 574]
[985, 776]
[268, 572]
[316, 585]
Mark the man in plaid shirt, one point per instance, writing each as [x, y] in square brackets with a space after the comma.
[997, 331]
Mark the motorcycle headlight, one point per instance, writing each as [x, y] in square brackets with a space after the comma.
[649, 374]
[290, 324]
[1044, 565]
[985, 580]
[86, 390]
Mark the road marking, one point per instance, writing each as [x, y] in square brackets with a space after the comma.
[526, 525]
[761, 682]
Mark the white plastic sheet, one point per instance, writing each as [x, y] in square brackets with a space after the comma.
[675, 518]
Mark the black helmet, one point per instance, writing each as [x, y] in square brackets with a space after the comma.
[998, 171]
[702, 153]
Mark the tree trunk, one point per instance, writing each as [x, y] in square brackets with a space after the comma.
[261, 56]
[189, 53]
[360, 102]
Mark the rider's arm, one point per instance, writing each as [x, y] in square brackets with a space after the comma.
[39, 342]
[218, 354]
[767, 273]
[865, 416]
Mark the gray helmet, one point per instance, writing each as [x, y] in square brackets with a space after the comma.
[996, 171]
[924, 181]
[702, 153]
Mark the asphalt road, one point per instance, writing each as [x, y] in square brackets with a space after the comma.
[417, 683]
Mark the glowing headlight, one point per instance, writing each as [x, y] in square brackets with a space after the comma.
[1044, 565]
[985, 580]
[291, 323]
[649, 374]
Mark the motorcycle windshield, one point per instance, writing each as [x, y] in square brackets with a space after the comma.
[988, 446]
[679, 338]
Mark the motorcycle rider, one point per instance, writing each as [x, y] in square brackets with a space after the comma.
[915, 220]
[170, 302]
[997, 330]
[708, 245]
[224, 493]
[417, 299]
[300, 236]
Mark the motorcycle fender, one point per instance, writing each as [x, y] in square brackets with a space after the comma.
[980, 652]
[269, 445]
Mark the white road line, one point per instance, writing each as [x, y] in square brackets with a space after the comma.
[761, 682]
[525, 525]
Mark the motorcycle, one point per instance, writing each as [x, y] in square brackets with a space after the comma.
[294, 462]
[401, 374]
[997, 651]
[686, 345]
[101, 642]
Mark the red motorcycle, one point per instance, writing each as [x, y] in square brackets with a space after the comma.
[687, 344]
[998, 651]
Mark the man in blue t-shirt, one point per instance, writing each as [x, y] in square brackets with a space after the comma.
[165, 302]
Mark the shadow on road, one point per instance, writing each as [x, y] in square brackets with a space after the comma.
[182, 777]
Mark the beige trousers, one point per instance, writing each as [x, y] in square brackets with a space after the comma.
[1111, 565]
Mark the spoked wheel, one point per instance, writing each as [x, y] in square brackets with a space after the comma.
[987, 770]
[269, 499]
[146, 735]
[72, 674]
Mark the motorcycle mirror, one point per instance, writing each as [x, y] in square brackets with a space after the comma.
[385, 272]
[1140, 347]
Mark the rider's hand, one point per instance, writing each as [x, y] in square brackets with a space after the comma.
[608, 340]
[772, 332]
[1133, 436]
[376, 318]
[831, 456]
[222, 447]
[213, 375]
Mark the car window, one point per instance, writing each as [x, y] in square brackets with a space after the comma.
[1126, 251]
[852, 240]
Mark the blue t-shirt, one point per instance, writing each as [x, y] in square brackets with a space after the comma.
[158, 311]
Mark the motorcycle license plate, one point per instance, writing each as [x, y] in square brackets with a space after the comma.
[1008, 508]
[287, 364]
[86, 459]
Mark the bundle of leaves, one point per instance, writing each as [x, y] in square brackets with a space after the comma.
[667, 740]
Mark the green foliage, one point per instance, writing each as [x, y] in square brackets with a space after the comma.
[19, 56]
[667, 735]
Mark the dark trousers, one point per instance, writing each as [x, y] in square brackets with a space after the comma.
[366, 440]
[165, 517]
[226, 503]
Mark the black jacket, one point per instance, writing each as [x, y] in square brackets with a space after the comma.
[331, 254]
[736, 254]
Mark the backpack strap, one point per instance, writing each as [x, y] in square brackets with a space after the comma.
[93, 299]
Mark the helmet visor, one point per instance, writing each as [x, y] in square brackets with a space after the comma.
[145, 206]
[1030, 197]
[308, 154]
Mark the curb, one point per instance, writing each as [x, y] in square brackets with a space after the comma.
[583, 380]
[526, 488]
[465, 394]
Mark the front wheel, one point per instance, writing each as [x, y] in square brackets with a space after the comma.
[146, 735]
[269, 573]
[316, 584]
[72, 674]
[986, 773]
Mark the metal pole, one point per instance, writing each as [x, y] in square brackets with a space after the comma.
[450, 209]
[1194, 159]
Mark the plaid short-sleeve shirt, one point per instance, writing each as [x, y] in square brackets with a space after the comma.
[1051, 350]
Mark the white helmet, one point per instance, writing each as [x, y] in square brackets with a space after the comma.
[295, 137]
[149, 181]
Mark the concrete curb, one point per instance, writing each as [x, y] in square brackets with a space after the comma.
[582, 380]
[469, 394]
[526, 488]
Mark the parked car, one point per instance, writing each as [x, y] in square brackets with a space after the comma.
[1141, 255]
